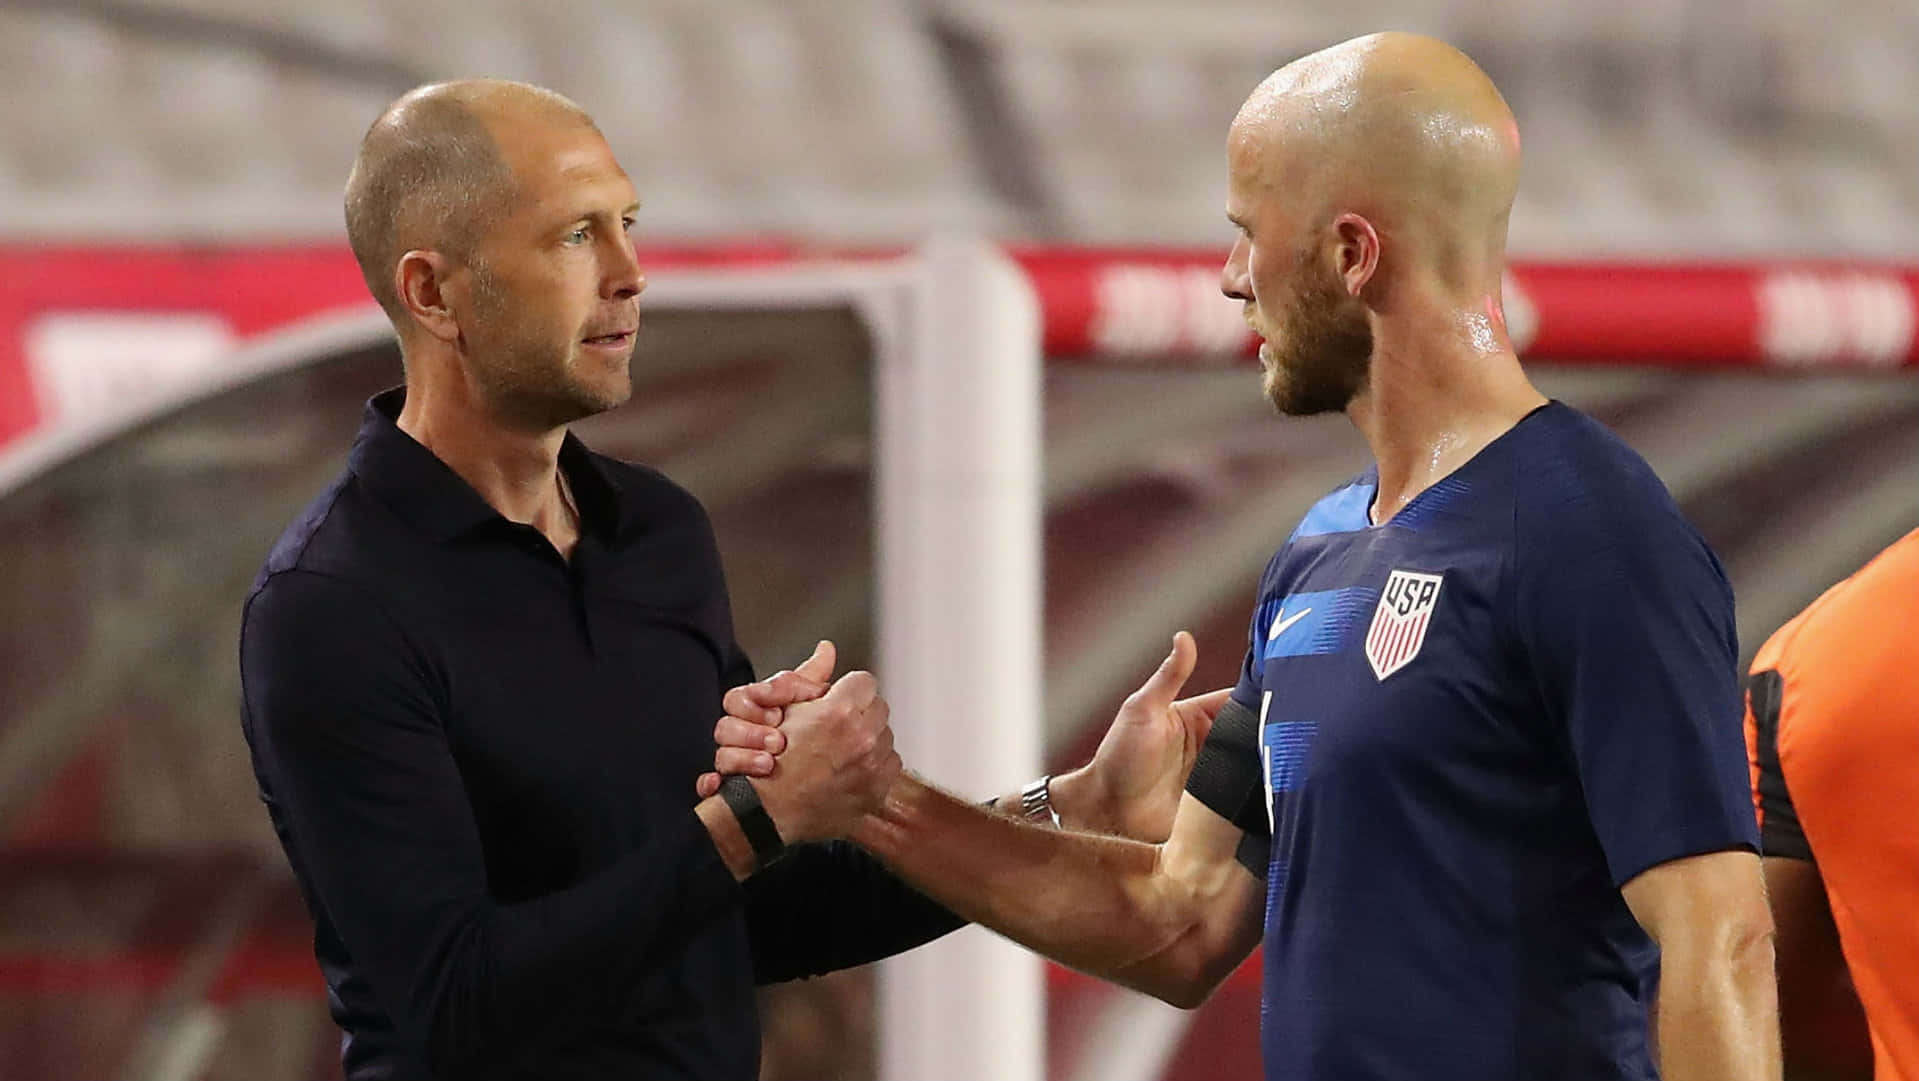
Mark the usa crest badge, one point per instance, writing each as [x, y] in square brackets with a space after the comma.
[1399, 623]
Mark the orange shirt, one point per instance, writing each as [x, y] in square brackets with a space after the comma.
[1832, 735]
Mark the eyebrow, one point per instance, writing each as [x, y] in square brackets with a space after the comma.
[584, 214]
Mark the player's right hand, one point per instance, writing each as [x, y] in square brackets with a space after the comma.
[838, 764]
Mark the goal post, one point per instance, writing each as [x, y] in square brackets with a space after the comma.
[959, 527]
[956, 331]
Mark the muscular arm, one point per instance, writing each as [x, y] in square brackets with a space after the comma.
[1718, 1013]
[1171, 920]
[826, 907]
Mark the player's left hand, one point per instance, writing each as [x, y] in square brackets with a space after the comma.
[749, 734]
[1131, 787]
[1136, 777]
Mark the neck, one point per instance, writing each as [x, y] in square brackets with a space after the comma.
[514, 470]
[1445, 382]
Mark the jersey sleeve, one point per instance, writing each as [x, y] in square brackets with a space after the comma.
[1227, 775]
[1779, 830]
[1626, 621]
[1251, 686]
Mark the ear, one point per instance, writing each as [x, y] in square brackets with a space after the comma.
[1358, 251]
[421, 278]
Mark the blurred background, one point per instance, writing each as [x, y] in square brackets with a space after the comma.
[170, 176]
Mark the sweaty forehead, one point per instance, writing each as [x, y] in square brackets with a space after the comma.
[1252, 138]
[1265, 157]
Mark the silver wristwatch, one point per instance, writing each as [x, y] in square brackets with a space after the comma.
[1036, 802]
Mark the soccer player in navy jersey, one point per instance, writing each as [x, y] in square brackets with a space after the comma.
[1481, 788]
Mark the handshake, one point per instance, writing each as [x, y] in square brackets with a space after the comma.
[820, 752]
[832, 742]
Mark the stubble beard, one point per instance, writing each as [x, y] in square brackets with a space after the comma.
[1325, 358]
[528, 380]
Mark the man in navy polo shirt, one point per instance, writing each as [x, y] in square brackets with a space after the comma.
[481, 670]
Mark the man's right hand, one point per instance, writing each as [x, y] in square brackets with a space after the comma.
[837, 765]
[1131, 788]
[748, 735]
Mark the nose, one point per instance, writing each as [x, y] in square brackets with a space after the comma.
[622, 278]
[1234, 277]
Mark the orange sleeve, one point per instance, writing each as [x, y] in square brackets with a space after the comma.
[1752, 759]
[1779, 831]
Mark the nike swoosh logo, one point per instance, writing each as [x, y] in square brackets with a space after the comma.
[1280, 625]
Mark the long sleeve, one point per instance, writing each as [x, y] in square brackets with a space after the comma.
[830, 906]
[825, 907]
[348, 730]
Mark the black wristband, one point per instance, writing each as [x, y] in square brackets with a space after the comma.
[744, 801]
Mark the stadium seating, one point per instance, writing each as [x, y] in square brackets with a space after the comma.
[1654, 126]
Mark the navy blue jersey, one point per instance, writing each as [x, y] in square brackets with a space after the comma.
[1477, 721]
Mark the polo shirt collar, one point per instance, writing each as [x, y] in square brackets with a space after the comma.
[430, 496]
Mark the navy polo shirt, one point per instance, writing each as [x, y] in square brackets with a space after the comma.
[479, 758]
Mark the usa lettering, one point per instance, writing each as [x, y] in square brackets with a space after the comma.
[1406, 595]
[1399, 622]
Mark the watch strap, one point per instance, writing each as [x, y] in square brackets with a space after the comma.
[1036, 802]
[744, 801]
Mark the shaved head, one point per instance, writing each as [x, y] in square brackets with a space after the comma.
[431, 176]
[1400, 128]
[1371, 183]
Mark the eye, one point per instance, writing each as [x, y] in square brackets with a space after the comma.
[628, 223]
[577, 235]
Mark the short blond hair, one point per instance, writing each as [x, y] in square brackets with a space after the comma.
[430, 176]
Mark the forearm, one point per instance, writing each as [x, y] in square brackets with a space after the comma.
[1078, 804]
[1718, 1014]
[825, 907]
[1099, 904]
[560, 962]
[736, 852]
